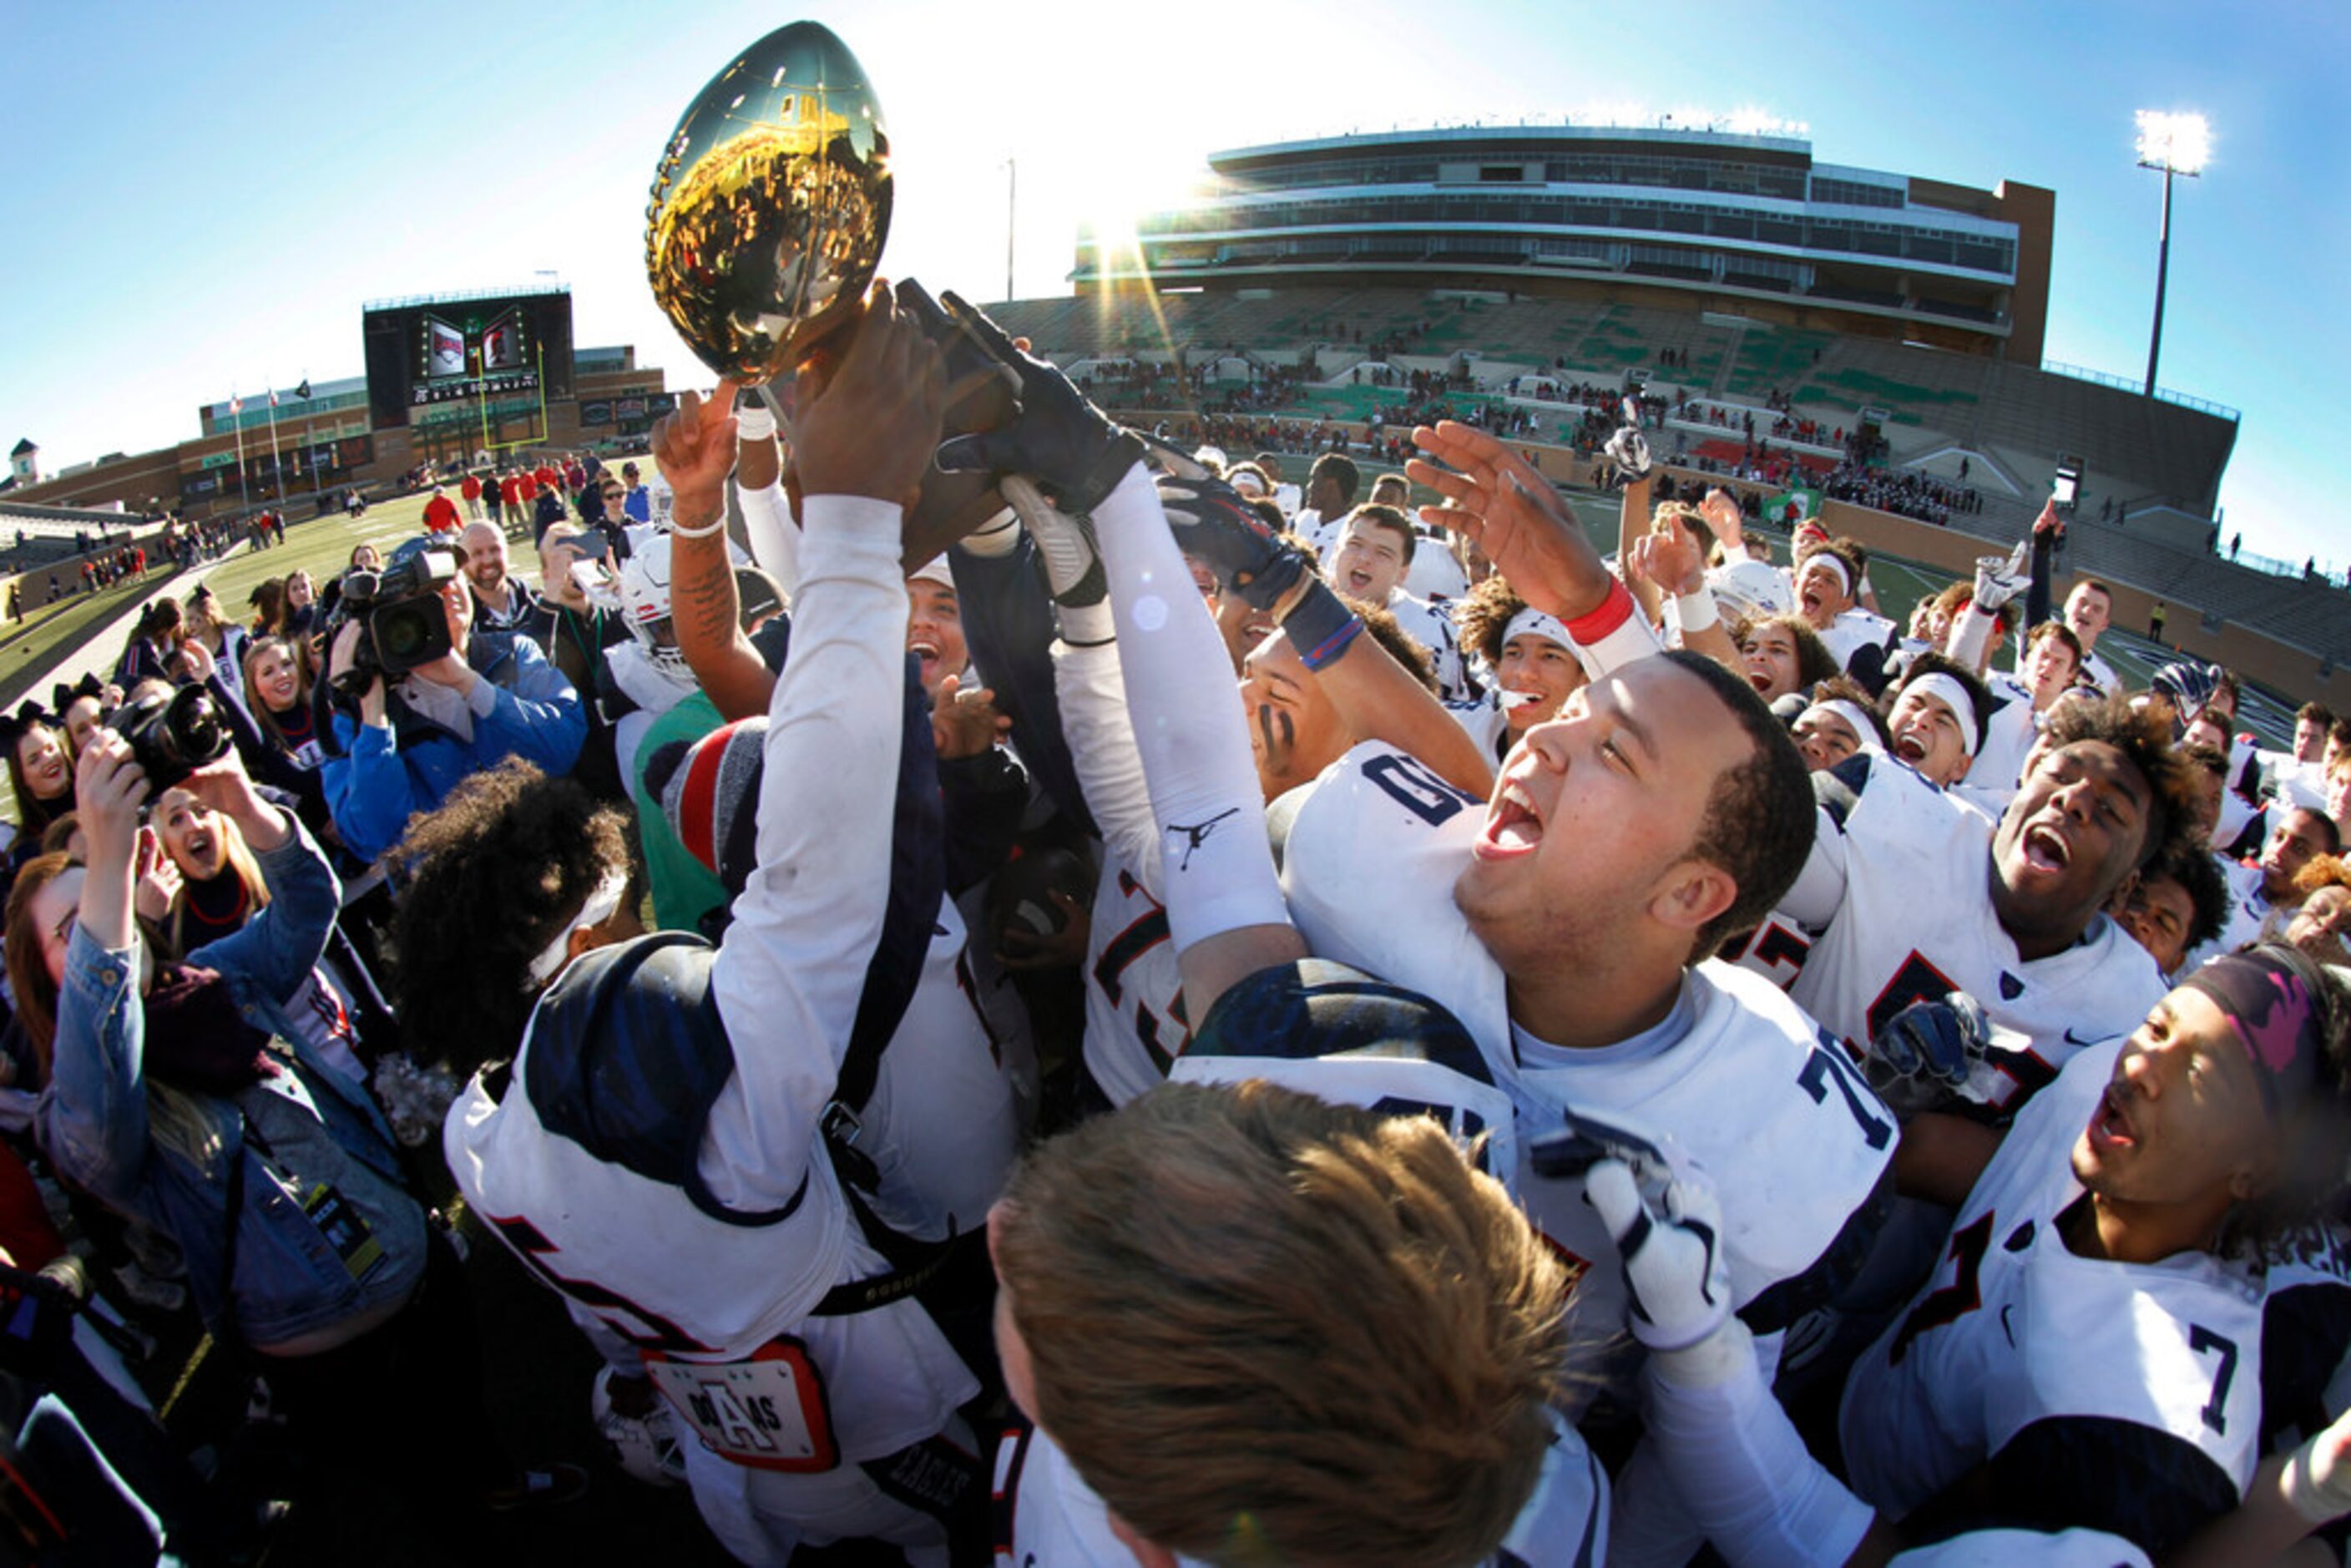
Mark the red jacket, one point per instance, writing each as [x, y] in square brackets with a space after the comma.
[441, 514]
[471, 489]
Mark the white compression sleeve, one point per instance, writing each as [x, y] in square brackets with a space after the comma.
[1215, 860]
[1092, 695]
[775, 538]
[1971, 638]
[1738, 1464]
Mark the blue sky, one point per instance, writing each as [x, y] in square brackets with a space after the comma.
[203, 197]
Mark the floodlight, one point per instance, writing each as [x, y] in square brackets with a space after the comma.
[2176, 143]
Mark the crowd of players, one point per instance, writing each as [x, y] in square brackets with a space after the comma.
[1216, 1020]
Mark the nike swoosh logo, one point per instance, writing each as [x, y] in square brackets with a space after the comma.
[2071, 1039]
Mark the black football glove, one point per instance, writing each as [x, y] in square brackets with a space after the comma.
[1076, 454]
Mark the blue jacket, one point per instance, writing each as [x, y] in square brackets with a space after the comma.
[99, 1123]
[522, 707]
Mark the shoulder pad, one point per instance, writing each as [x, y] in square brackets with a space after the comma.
[1838, 788]
[627, 1054]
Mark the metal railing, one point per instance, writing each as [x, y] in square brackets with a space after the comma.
[2084, 373]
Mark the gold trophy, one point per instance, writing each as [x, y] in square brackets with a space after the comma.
[767, 215]
[771, 205]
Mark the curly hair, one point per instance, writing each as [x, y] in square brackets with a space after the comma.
[2145, 740]
[1484, 615]
[1815, 663]
[1389, 633]
[509, 840]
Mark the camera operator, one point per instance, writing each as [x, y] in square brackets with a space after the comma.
[411, 739]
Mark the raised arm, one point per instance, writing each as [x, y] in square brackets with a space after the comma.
[1224, 910]
[791, 974]
[1493, 496]
[702, 603]
[1378, 697]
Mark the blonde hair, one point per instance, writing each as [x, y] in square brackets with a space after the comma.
[238, 856]
[1268, 1329]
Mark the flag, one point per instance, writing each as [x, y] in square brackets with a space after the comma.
[235, 405]
[273, 397]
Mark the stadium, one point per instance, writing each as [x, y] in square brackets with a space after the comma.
[1732, 277]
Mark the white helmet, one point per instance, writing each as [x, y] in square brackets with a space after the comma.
[1752, 588]
[644, 1447]
[643, 592]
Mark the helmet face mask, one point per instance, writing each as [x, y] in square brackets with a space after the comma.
[642, 589]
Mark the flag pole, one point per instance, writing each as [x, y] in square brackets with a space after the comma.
[236, 426]
[275, 467]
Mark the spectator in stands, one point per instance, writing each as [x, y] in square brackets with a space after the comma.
[400, 748]
[441, 512]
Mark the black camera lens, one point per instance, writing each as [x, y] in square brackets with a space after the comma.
[172, 737]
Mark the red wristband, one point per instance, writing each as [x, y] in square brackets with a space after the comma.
[1614, 611]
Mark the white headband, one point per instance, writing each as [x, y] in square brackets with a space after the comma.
[1836, 564]
[601, 905]
[1542, 625]
[1935, 683]
[933, 570]
[1864, 731]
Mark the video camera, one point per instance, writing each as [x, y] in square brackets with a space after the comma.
[404, 622]
[172, 737]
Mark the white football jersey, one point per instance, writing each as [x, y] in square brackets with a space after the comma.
[1487, 722]
[1136, 1026]
[1915, 922]
[1434, 574]
[1048, 1517]
[2007, 740]
[2014, 1330]
[2097, 673]
[1793, 1138]
[1852, 631]
[2306, 1337]
[1429, 626]
[941, 1125]
[679, 1283]
[2249, 911]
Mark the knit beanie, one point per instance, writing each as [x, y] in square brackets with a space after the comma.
[709, 791]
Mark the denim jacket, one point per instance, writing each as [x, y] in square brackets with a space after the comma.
[169, 1163]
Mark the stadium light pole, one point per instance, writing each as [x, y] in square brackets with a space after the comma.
[2177, 144]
